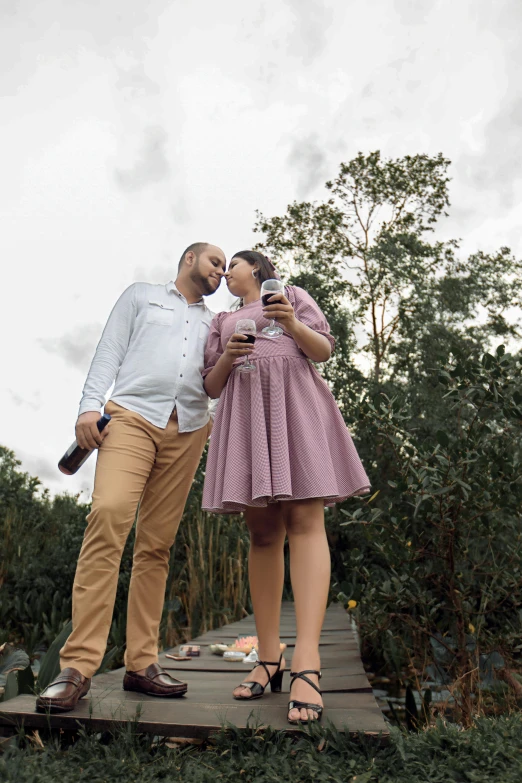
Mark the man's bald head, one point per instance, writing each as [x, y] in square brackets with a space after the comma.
[197, 248]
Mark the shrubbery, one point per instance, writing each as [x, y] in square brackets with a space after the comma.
[434, 558]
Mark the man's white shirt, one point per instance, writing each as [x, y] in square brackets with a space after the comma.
[153, 347]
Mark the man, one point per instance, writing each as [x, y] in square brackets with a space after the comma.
[153, 347]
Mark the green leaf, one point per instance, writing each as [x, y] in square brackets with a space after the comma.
[107, 659]
[26, 681]
[442, 438]
[11, 686]
[12, 659]
[418, 504]
[412, 713]
[441, 491]
[50, 664]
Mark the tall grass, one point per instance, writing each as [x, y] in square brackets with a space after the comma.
[210, 588]
[207, 585]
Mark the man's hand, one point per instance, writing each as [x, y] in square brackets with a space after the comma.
[87, 434]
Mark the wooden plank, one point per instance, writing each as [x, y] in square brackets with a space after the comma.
[327, 637]
[216, 663]
[225, 682]
[190, 720]
[349, 702]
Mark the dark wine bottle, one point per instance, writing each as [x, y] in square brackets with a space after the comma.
[74, 457]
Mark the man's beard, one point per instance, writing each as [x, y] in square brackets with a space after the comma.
[202, 283]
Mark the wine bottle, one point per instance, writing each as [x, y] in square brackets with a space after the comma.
[75, 456]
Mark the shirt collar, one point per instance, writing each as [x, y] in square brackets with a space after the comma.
[172, 288]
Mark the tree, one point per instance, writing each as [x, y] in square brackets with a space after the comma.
[367, 247]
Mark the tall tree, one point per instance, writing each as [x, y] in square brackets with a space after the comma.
[367, 247]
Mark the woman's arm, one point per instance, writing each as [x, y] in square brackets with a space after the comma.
[217, 378]
[314, 345]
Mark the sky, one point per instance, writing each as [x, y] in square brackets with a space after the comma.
[132, 128]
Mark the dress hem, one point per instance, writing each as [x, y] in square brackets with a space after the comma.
[240, 507]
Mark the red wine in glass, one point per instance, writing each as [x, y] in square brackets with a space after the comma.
[247, 328]
[268, 289]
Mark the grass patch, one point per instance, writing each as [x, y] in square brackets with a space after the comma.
[490, 751]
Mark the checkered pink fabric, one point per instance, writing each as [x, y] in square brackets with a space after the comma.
[278, 433]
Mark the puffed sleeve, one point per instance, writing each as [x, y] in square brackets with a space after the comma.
[213, 348]
[308, 312]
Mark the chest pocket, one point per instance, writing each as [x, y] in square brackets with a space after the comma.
[159, 313]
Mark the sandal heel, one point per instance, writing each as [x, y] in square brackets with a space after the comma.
[276, 682]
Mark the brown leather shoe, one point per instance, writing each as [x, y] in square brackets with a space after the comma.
[155, 682]
[64, 692]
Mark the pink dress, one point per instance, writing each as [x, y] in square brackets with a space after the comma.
[278, 433]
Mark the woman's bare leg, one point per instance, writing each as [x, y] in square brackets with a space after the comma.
[266, 571]
[310, 576]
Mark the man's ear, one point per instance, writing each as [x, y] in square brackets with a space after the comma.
[190, 258]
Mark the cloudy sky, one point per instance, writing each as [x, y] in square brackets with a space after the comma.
[131, 128]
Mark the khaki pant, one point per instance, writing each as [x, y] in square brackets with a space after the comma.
[137, 463]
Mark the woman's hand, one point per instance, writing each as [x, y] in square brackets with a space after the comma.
[282, 311]
[237, 347]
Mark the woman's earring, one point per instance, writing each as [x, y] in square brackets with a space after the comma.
[254, 273]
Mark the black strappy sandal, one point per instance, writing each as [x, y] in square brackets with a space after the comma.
[303, 705]
[275, 681]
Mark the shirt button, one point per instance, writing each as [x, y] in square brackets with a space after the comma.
[181, 375]
[184, 355]
[186, 338]
[187, 321]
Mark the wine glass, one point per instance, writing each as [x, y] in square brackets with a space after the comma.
[247, 327]
[268, 289]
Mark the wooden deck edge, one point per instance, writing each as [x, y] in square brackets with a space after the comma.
[11, 725]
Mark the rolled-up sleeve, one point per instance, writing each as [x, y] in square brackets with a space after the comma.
[309, 313]
[110, 351]
[214, 348]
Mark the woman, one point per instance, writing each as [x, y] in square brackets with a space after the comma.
[279, 452]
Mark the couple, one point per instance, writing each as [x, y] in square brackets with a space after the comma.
[279, 453]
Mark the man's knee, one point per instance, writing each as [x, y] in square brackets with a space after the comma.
[109, 522]
[113, 507]
[154, 542]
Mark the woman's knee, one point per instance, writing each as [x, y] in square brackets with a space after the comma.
[305, 518]
[265, 529]
[267, 538]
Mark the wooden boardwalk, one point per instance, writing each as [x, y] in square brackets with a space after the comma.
[349, 702]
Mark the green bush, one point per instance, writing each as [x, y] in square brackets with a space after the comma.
[437, 562]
